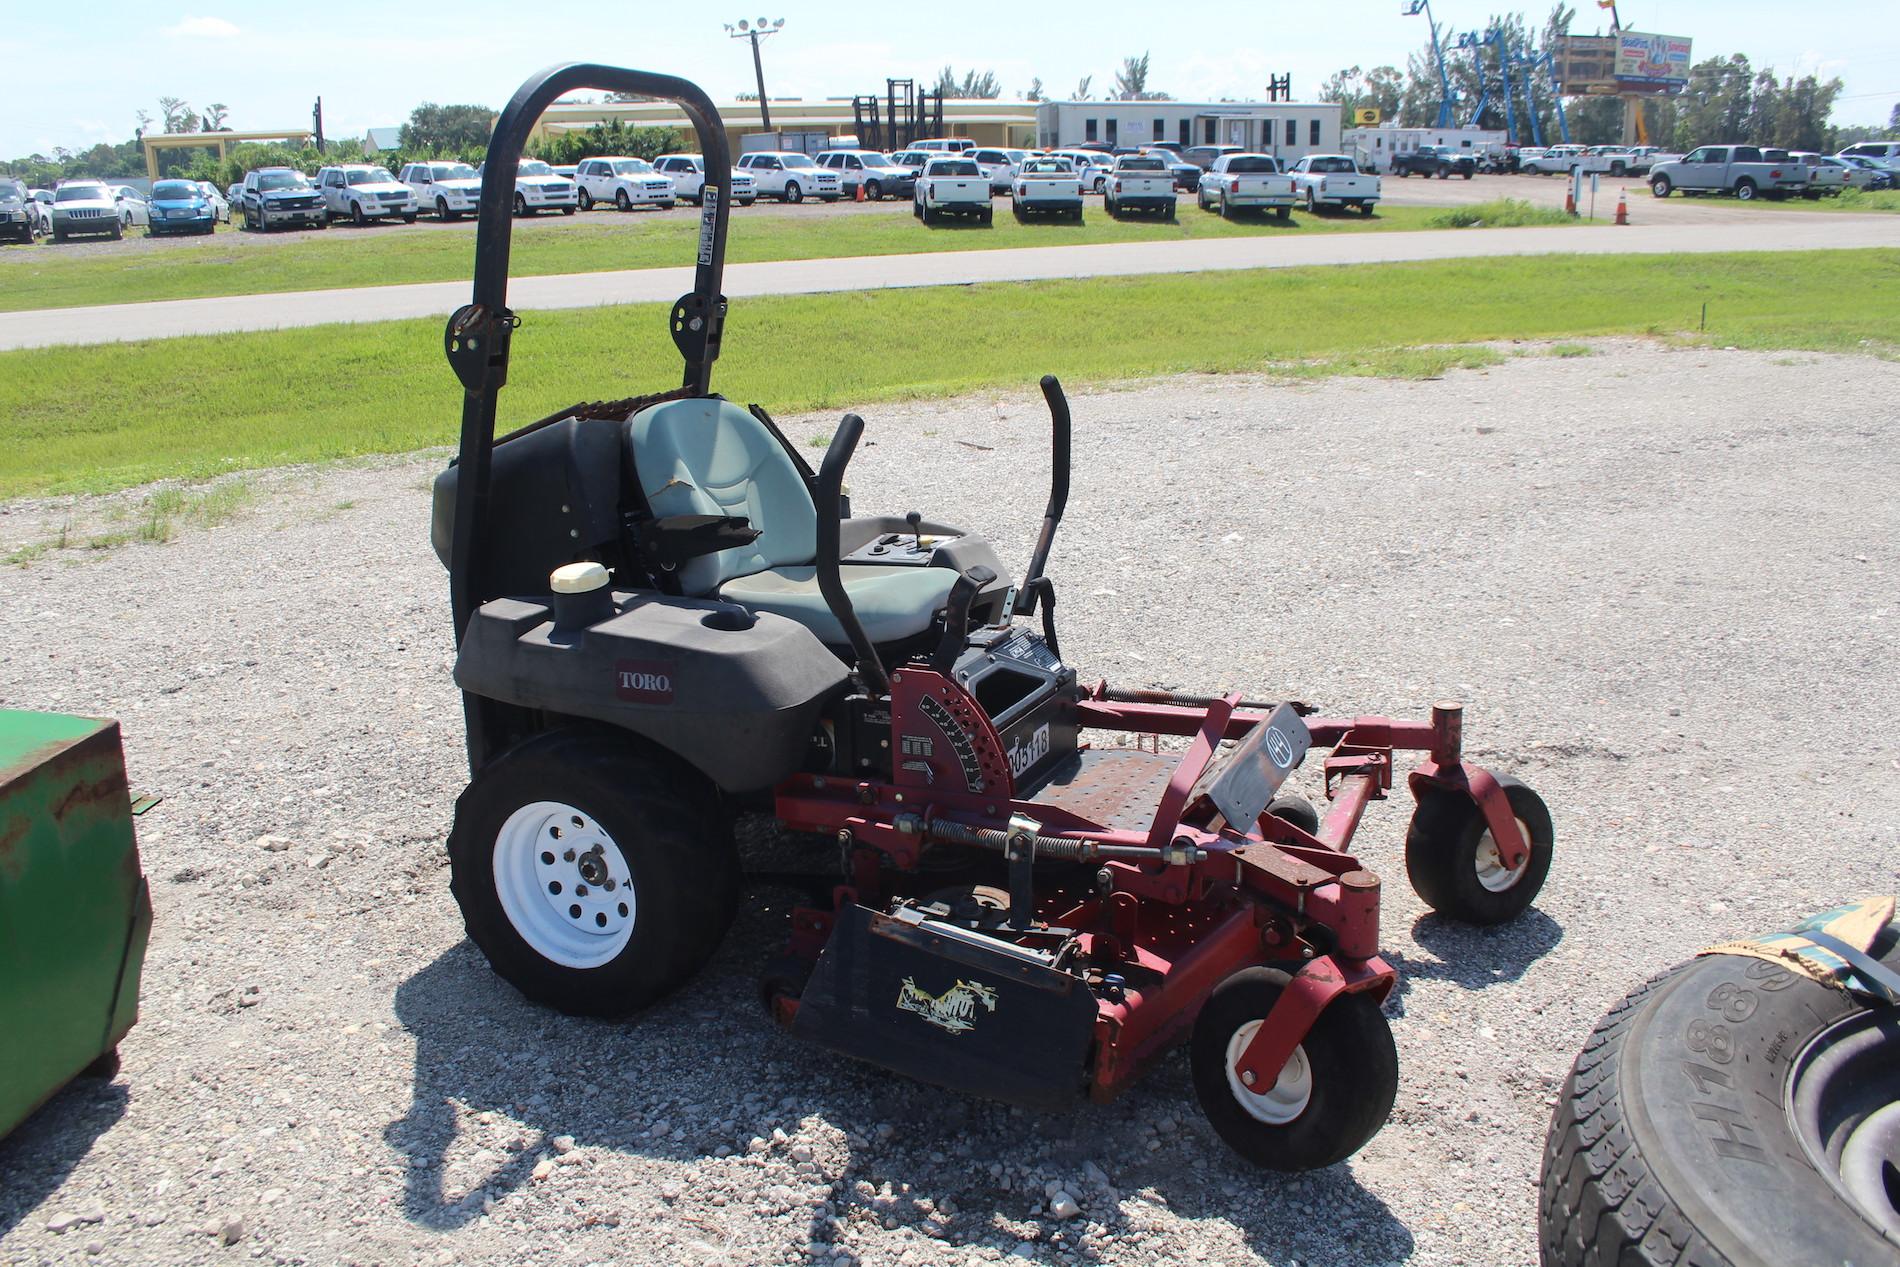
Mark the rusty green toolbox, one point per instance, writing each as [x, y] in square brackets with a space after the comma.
[74, 909]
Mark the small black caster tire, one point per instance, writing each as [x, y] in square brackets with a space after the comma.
[1334, 1094]
[1296, 810]
[1454, 865]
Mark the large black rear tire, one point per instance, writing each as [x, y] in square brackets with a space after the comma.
[1706, 1120]
[1333, 1096]
[646, 913]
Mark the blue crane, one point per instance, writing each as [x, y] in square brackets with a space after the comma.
[1446, 98]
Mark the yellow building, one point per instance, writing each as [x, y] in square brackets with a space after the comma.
[219, 141]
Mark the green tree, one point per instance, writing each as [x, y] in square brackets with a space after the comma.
[1082, 87]
[1131, 81]
[1035, 91]
[974, 85]
[179, 116]
[214, 117]
[434, 129]
[612, 138]
[1381, 89]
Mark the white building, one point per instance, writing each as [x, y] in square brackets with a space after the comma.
[1288, 129]
[1374, 148]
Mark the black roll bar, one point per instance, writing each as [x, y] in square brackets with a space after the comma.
[478, 334]
[1031, 585]
[825, 499]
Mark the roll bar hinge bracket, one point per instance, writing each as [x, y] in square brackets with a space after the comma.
[697, 329]
[476, 341]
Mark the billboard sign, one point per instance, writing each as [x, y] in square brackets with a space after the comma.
[1659, 61]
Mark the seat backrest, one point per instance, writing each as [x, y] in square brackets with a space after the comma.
[710, 457]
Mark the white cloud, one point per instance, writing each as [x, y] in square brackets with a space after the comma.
[203, 29]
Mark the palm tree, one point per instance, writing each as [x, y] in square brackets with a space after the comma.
[1131, 81]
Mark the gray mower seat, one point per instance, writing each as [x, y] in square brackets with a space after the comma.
[711, 457]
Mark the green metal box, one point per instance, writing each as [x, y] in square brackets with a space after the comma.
[74, 909]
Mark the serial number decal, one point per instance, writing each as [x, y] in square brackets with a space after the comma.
[953, 1011]
[710, 197]
[959, 740]
[1023, 755]
[644, 681]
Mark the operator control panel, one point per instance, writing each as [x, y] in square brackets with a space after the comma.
[912, 548]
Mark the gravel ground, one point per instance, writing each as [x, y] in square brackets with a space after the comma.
[1662, 579]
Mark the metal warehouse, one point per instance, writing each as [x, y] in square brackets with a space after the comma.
[1288, 129]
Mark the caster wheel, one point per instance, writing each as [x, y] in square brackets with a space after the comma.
[1333, 1094]
[1453, 862]
[1296, 810]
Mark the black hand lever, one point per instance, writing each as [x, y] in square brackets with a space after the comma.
[1032, 586]
[825, 496]
[956, 616]
[915, 521]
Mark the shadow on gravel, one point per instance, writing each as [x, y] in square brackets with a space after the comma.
[45, 1148]
[707, 1071]
[1473, 957]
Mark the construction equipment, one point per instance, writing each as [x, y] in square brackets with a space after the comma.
[665, 620]
[1447, 99]
[909, 115]
[74, 909]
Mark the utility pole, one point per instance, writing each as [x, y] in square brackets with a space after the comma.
[752, 31]
[316, 118]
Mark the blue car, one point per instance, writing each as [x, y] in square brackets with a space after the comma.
[179, 206]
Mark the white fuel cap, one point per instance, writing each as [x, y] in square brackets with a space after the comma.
[578, 578]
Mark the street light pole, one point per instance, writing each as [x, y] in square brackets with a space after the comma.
[752, 31]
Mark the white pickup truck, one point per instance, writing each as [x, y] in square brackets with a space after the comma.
[1557, 160]
[1622, 160]
[952, 187]
[1245, 182]
[1139, 182]
[1742, 170]
[1047, 186]
[1333, 180]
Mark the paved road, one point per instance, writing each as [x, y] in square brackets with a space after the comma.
[118, 323]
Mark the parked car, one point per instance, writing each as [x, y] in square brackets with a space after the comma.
[622, 182]
[1621, 160]
[1741, 170]
[274, 196]
[363, 193]
[880, 175]
[945, 145]
[538, 188]
[16, 219]
[1827, 175]
[566, 169]
[1867, 173]
[1000, 166]
[85, 207]
[1091, 167]
[688, 174]
[133, 209]
[1186, 175]
[39, 207]
[220, 205]
[952, 187]
[1047, 186]
[1203, 156]
[1139, 182]
[450, 189]
[1245, 182]
[1442, 161]
[180, 206]
[1332, 180]
[789, 176]
[1558, 160]
[1886, 151]
[912, 161]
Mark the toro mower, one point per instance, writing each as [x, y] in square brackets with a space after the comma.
[1034, 886]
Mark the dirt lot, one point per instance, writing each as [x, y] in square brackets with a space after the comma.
[1663, 581]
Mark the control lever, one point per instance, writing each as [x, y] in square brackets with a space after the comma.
[956, 616]
[916, 522]
[825, 493]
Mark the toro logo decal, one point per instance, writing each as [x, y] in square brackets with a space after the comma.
[644, 681]
[954, 1010]
[1279, 749]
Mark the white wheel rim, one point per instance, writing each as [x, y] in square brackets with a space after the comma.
[1287, 1098]
[1492, 873]
[564, 884]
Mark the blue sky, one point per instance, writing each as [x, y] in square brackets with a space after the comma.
[76, 76]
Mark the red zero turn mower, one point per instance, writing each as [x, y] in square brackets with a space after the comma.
[665, 618]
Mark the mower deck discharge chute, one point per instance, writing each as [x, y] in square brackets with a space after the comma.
[666, 619]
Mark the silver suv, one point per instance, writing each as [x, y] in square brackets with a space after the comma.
[85, 207]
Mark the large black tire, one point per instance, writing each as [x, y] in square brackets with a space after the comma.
[1660, 187]
[1444, 855]
[621, 200]
[792, 192]
[357, 217]
[1704, 1120]
[682, 867]
[1348, 1059]
[585, 199]
[1745, 190]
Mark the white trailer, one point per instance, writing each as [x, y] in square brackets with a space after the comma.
[1375, 148]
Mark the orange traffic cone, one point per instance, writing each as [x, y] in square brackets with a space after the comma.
[1622, 207]
[1570, 204]
[859, 197]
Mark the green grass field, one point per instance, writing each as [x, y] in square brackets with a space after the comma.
[99, 418]
[46, 276]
